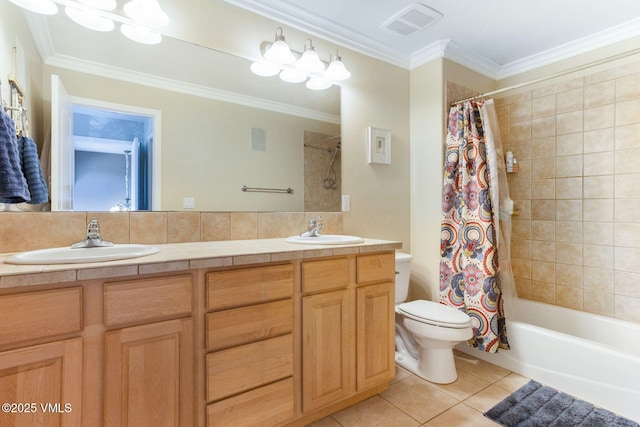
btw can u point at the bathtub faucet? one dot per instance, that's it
(93, 238)
(314, 227)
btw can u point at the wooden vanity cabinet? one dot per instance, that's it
(41, 383)
(149, 360)
(347, 327)
(250, 346)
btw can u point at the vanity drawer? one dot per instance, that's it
(243, 368)
(41, 314)
(376, 268)
(325, 275)
(147, 300)
(271, 405)
(238, 326)
(234, 288)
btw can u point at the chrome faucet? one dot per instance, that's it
(93, 239)
(314, 227)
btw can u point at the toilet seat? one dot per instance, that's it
(435, 314)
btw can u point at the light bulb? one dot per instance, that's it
(316, 83)
(146, 13)
(337, 70)
(264, 68)
(45, 7)
(100, 4)
(89, 18)
(279, 52)
(291, 75)
(140, 35)
(310, 62)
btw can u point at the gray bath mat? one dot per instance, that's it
(535, 405)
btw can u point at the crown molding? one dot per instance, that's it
(40, 31)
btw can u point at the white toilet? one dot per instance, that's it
(426, 331)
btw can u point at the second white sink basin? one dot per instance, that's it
(68, 255)
(325, 239)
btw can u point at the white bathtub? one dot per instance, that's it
(592, 357)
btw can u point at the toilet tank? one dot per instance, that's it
(403, 268)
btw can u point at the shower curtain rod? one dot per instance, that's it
(550, 77)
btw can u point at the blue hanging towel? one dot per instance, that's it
(32, 170)
(13, 185)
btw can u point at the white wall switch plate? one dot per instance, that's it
(189, 203)
(346, 203)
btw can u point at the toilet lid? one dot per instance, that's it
(435, 314)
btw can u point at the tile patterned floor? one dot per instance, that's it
(411, 401)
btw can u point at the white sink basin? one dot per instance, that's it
(68, 255)
(325, 239)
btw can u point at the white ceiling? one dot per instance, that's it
(496, 37)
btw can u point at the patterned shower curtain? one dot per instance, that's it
(469, 273)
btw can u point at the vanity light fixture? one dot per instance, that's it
(296, 67)
(139, 18)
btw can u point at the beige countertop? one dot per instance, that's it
(183, 256)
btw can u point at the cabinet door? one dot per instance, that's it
(149, 375)
(42, 384)
(375, 334)
(325, 349)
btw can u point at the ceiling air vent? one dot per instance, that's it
(411, 19)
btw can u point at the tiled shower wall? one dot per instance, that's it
(576, 232)
(316, 165)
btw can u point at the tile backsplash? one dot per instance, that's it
(25, 231)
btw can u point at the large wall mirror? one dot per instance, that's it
(215, 128)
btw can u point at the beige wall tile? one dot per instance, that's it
(597, 233)
(521, 149)
(626, 260)
(543, 251)
(599, 303)
(596, 141)
(569, 123)
(625, 210)
(520, 229)
(520, 131)
(598, 209)
(627, 284)
(543, 148)
(543, 189)
(523, 288)
(627, 161)
(36, 230)
(599, 163)
(600, 93)
(627, 112)
(543, 271)
(521, 268)
(543, 168)
(244, 225)
(599, 117)
(597, 256)
(598, 279)
(543, 209)
(543, 292)
(520, 187)
(216, 226)
(543, 230)
(544, 106)
(114, 226)
(627, 136)
(270, 225)
(627, 308)
(569, 297)
(627, 235)
(569, 253)
(626, 186)
(569, 231)
(520, 111)
(543, 127)
(627, 87)
(570, 100)
(568, 210)
(524, 209)
(598, 187)
(568, 166)
(569, 188)
(569, 144)
(148, 227)
(569, 275)
(520, 248)
(183, 227)
(294, 223)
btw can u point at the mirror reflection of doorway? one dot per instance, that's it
(104, 156)
(112, 160)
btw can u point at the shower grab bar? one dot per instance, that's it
(267, 190)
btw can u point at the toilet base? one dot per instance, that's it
(434, 365)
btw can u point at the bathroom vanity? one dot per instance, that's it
(234, 333)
